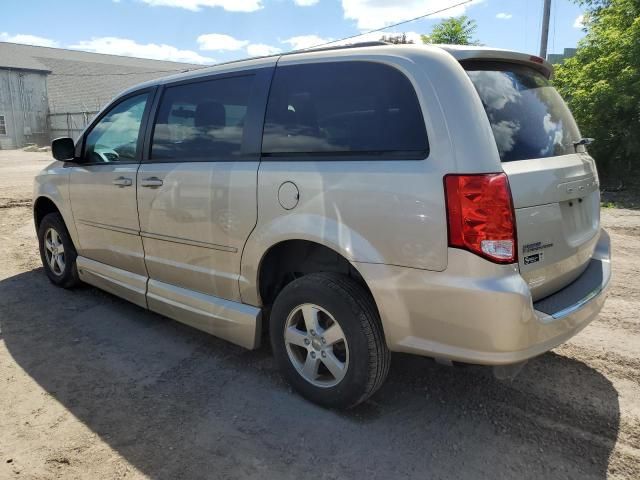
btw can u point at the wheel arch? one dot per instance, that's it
(287, 260)
(322, 231)
(43, 206)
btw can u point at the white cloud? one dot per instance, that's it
(220, 42)
(305, 3)
(196, 5)
(504, 16)
(129, 48)
(378, 13)
(28, 40)
(579, 22)
(261, 50)
(305, 41)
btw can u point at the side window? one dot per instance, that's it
(203, 120)
(344, 108)
(115, 137)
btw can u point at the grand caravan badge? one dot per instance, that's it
(535, 250)
(536, 247)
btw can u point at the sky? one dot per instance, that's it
(212, 31)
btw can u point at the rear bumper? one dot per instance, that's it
(584, 294)
(479, 312)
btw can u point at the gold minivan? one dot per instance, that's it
(351, 201)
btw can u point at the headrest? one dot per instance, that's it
(211, 115)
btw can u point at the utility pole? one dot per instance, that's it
(544, 37)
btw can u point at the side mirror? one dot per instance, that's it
(63, 149)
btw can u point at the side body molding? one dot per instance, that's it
(124, 284)
(232, 321)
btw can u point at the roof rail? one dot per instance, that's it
(307, 50)
(374, 43)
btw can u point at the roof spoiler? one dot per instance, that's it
(478, 53)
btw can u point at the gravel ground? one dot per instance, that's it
(93, 387)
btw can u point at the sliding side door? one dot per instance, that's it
(197, 199)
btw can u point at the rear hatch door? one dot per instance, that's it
(553, 182)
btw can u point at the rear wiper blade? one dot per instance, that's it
(584, 141)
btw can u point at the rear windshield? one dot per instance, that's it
(528, 117)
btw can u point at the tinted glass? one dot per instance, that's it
(528, 117)
(344, 108)
(203, 120)
(115, 137)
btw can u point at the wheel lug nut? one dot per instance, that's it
(313, 332)
(313, 354)
(306, 341)
(323, 340)
(324, 354)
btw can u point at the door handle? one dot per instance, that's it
(123, 182)
(151, 182)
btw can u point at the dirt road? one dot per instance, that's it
(93, 387)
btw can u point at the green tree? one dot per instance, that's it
(397, 39)
(453, 31)
(601, 83)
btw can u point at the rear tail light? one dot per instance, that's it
(480, 215)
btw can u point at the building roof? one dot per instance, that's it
(11, 59)
(561, 57)
(82, 81)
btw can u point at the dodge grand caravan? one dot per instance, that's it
(352, 202)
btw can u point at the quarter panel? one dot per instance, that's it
(368, 211)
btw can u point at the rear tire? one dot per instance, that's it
(328, 341)
(57, 252)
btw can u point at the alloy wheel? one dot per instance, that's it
(54, 251)
(316, 345)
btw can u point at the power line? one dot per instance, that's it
(390, 26)
(419, 17)
(368, 32)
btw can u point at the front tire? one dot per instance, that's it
(57, 251)
(328, 341)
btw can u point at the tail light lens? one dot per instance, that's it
(480, 215)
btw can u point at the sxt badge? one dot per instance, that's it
(529, 259)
